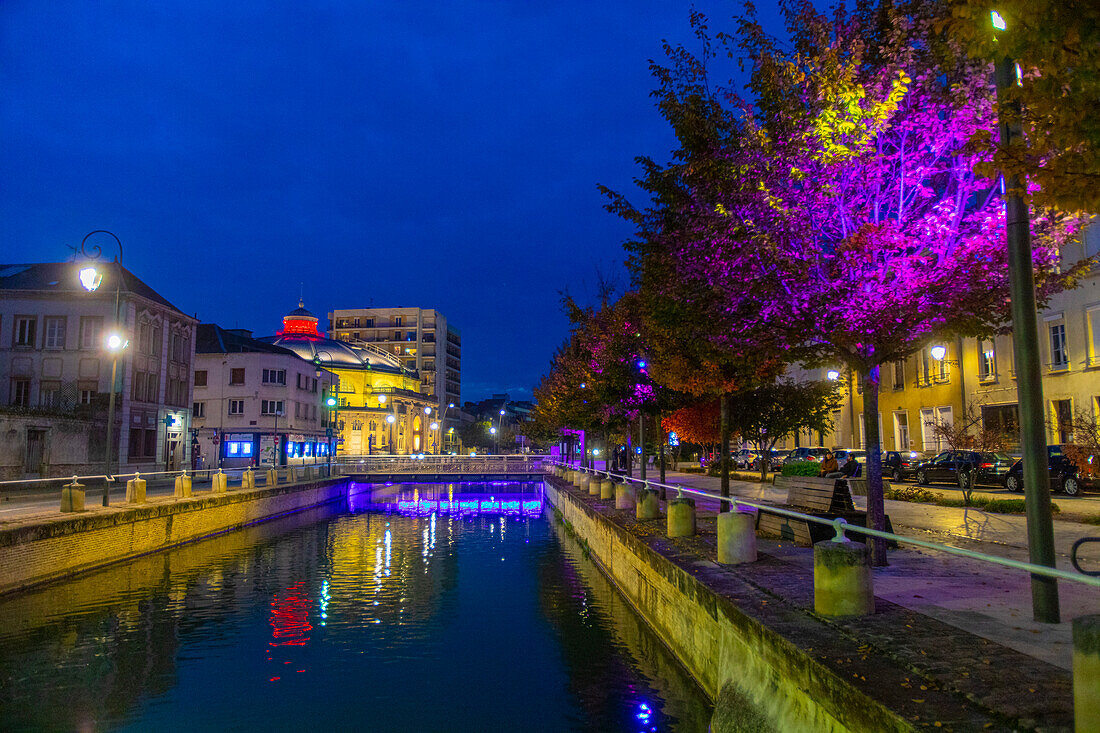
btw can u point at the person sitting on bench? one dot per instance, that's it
(851, 468)
(829, 467)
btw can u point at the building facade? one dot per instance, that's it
(256, 403)
(975, 379)
(57, 370)
(382, 405)
(421, 339)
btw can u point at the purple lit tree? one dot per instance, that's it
(838, 215)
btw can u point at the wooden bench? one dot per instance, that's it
(858, 486)
(819, 497)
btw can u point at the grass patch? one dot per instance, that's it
(996, 506)
(1089, 519)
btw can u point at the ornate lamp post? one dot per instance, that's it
(90, 277)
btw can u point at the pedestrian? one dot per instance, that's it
(829, 467)
(851, 467)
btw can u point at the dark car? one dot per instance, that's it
(958, 466)
(900, 465)
(1062, 472)
(807, 454)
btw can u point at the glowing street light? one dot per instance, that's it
(998, 20)
(939, 352)
(832, 375)
(90, 278)
(381, 399)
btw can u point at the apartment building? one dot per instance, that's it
(951, 377)
(56, 368)
(421, 339)
(257, 403)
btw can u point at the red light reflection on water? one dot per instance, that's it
(290, 617)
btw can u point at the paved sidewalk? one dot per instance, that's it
(986, 600)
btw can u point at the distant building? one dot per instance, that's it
(382, 405)
(255, 402)
(421, 339)
(55, 373)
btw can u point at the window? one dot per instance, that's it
(987, 361)
(1059, 358)
(236, 376)
(901, 431)
(271, 407)
(899, 374)
(313, 385)
(368, 323)
(87, 394)
(200, 378)
(198, 410)
(410, 336)
(396, 335)
(1063, 420)
(1092, 316)
(49, 394)
(273, 376)
(21, 392)
(24, 334)
(55, 333)
(397, 322)
(90, 328)
(355, 322)
(236, 407)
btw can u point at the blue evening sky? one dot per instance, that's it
(434, 154)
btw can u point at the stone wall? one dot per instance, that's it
(718, 643)
(72, 543)
(70, 446)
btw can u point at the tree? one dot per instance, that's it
(970, 432)
(1057, 46)
(841, 213)
(767, 414)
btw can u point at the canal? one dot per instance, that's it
(413, 607)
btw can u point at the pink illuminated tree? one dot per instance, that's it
(839, 214)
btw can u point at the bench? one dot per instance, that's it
(819, 497)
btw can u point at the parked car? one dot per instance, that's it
(745, 458)
(900, 465)
(1063, 474)
(957, 466)
(842, 455)
(807, 454)
(778, 457)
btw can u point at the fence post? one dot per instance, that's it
(681, 517)
(736, 537)
(607, 488)
(1086, 673)
(648, 505)
(135, 489)
(625, 498)
(72, 497)
(272, 477)
(219, 482)
(842, 579)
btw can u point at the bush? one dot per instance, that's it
(910, 493)
(802, 468)
(691, 469)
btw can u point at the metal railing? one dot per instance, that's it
(430, 464)
(840, 527)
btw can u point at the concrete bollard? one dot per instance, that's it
(72, 497)
(648, 505)
(842, 579)
(594, 485)
(736, 538)
(582, 480)
(135, 490)
(681, 517)
(307, 473)
(1086, 673)
(272, 477)
(248, 479)
(219, 482)
(183, 486)
(607, 489)
(625, 498)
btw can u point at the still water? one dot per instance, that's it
(407, 611)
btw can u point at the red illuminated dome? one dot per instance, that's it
(300, 322)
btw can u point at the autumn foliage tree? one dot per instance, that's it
(840, 213)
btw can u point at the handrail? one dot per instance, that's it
(1073, 556)
(236, 472)
(840, 527)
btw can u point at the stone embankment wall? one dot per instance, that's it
(716, 642)
(37, 552)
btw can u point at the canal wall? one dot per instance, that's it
(720, 645)
(41, 550)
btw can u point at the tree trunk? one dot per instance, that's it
(661, 447)
(724, 450)
(641, 444)
(876, 510)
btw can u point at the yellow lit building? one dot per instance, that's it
(381, 409)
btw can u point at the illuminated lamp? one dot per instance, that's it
(832, 375)
(998, 20)
(90, 278)
(939, 352)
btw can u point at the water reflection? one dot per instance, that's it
(340, 617)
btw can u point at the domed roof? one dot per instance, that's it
(301, 336)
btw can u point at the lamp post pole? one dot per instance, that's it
(1025, 344)
(90, 278)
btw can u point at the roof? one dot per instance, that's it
(340, 354)
(211, 338)
(60, 277)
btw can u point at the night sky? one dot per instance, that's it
(402, 153)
